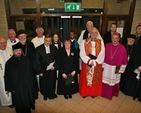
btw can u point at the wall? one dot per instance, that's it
(137, 16)
(17, 5)
(3, 20)
(118, 8)
(113, 8)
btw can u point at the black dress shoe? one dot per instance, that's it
(66, 96)
(55, 96)
(45, 98)
(83, 96)
(11, 106)
(70, 96)
(93, 96)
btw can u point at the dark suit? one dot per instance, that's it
(107, 37)
(48, 80)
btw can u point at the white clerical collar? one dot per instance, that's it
(72, 40)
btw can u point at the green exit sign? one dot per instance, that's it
(72, 7)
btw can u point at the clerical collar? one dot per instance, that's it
(13, 41)
(72, 40)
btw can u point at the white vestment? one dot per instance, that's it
(5, 99)
(85, 58)
(38, 41)
(80, 39)
(109, 76)
(10, 44)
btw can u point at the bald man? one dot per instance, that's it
(5, 54)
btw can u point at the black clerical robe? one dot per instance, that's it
(67, 64)
(48, 80)
(29, 51)
(131, 85)
(19, 80)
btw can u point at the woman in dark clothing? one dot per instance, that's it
(67, 60)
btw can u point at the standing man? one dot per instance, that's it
(19, 80)
(114, 64)
(92, 53)
(5, 54)
(132, 73)
(12, 40)
(86, 33)
(39, 39)
(46, 61)
(108, 35)
(129, 48)
(28, 50)
(73, 39)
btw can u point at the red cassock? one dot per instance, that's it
(95, 89)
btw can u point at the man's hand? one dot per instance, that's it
(64, 75)
(73, 73)
(139, 68)
(41, 74)
(52, 68)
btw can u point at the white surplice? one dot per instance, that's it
(85, 58)
(80, 39)
(109, 76)
(38, 41)
(10, 44)
(4, 56)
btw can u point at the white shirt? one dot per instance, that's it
(47, 49)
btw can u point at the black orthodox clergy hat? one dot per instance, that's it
(16, 46)
(21, 32)
(132, 36)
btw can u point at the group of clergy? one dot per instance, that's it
(106, 68)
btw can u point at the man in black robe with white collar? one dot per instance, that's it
(46, 64)
(19, 81)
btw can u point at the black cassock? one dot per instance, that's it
(129, 84)
(29, 51)
(48, 80)
(67, 64)
(19, 80)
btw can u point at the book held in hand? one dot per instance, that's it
(69, 79)
(50, 66)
